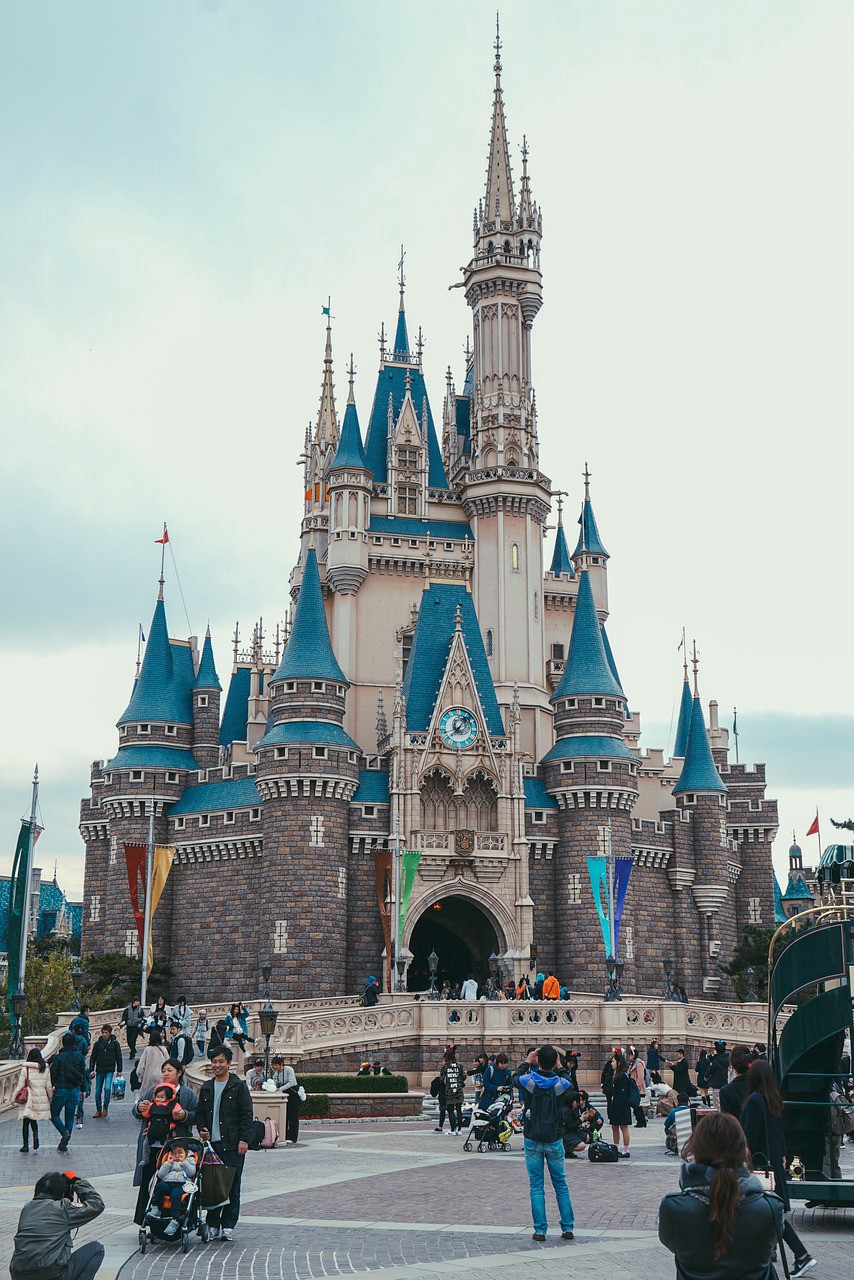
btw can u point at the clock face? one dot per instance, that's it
(458, 727)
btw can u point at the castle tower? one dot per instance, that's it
(593, 776)
(701, 799)
(350, 514)
(207, 691)
(320, 449)
(307, 772)
(505, 495)
(590, 553)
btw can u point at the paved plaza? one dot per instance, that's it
(358, 1198)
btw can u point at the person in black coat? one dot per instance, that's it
(763, 1130)
(682, 1075)
(654, 1062)
(704, 1060)
(224, 1118)
(620, 1103)
(104, 1061)
(734, 1094)
(68, 1077)
(718, 1072)
(721, 1225)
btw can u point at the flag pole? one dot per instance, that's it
(28, 882)
(146, 928)
(818, 832)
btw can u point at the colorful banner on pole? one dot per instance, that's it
(164, 855)
(17, 912)
(411, 859)
(382, 868)
(135, 863)
(597, 870)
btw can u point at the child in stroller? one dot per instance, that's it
(490, 1125)
(173, 1202)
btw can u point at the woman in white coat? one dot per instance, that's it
(35, 1078)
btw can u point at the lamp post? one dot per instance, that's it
(76, 980)
(669, 990)
(400, 965)
(17, 1048)
(433, 962)
(532, 963)
(615, 977)
(750, 975)
(267, 1016)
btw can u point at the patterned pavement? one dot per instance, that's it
(392, 1199)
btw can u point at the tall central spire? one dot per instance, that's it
(326, 431)
(500, 205)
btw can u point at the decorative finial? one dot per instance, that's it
(524, 155)
(327, 311)
(468, 559)
(419, 346)
(382, 721)
(428, 560)
(467, 350)
(497, 44)
(684, 647)
(161, 542)
(695, 662)
(401, 278)
(381, 340)
(408, 380)
(278, 644)
(236, 640)
(560, 494)
(586, 475)
(458, 619)
(351, 374)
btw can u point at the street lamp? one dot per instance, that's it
(669, 990)
(433, 962)
(493, 967)
(400, 965)
(750, 975)
(17, 1048)
(267, 1016)
(76, 979)
(615, 977)
(532, 964)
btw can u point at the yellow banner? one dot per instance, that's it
(163, 857)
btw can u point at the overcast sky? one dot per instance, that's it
(183, 184)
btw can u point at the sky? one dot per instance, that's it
(182, 185)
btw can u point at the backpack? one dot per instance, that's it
(543, 1116)
(257, 1133)
(603, 1153)
(634, 1093)
(437, 1087)
(188, 1052)
(271, 1134)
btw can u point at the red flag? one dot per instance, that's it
(813, 831)
(161, 542)
(135, 858)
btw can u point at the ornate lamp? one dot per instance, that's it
(76, 980)
(750, 975)
(267, 1016)
(17, 1048)
(493, 966)
(433, 962)
(615, 977)
(400, 965)
(532, 964)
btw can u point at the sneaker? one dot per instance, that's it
(35, 1144)
(438, 1130)
(63, 1142)
(213, 1233)
(625, 1155)
(79, 1124)
(24, 1150)
(804, 1265)
(172, 1227)
(227, 1233)
(567, 1235)
(539, 1235)
(154, 1212)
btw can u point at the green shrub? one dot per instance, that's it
(354, 1084)
(316, 1106)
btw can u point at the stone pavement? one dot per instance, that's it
(395, 1200)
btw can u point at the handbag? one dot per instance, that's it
(766, 1175)
(780, 1250)
(23, 1094)
(217, 1179)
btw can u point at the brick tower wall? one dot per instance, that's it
(206, 727)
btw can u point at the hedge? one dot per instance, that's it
(315, 1105)
(353, 1084)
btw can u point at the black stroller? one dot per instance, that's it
(489, 1126)
(190, 1219)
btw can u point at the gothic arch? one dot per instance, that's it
(498, 915)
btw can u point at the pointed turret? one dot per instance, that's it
(207, 677)
(206, 704)
(683, 726)
(309, 654)
(401, 337)
(349, 507)
(526, 204)
(698, 772)
(500, 205)
(587, 672)
(161, 692)
(319, 452)
(326, 429)
(589, 541)
(350, 452)
(561, 563)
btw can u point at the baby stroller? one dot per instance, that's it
(489, 1125)
(190, 1219)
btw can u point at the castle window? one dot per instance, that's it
(595, 559)
(320, 753)
(754, 912)
(395, 542)
(290, 686)
(316, 831)
(254, 815)
(756, 804)
(95, 907)
(171, 777)
(170, 731)
(514, 556)
(538, 815)
(369, 810)
(179, 824)
(280, 937)
(202, 700)
(489, 643)
(627, 933)
(131, 943)
(573, 894)
(137, 775)
(281, 753)
(229, 818)
(536, 604)
(204, 819)
(351, 756)
(691, 799)
(604, 766)
(123, 732)
(557, 653)
(570, 704)
(598, 702)
(407, 459)
(318, 686)
(143, 728)
(449, 546)
(342, 882)
(567, 766)
(407, 500)
(413, 542)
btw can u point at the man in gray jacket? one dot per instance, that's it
(43, 1240)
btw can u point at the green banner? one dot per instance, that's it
(410, 866)
(18, 912)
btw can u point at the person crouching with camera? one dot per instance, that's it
(61, 1203)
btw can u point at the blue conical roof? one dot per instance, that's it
(588, 534)
(683, 727)
(561, 562)
(401, 337)
(350, 451)
(609, 654)
(780, 916)
(207, 677)
(699, 772)
(587, 672)
(309, 654)
(163, 691)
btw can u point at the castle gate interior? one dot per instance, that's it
(462, 936)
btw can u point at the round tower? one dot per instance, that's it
(350, 506)
(307, 772)
(207, 692)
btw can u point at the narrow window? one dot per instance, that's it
(489, 643)
(514, 556)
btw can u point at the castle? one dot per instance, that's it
(444, 680)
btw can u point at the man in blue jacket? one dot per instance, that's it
(68, 1077)
(543, 1093)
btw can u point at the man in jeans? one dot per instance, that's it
(61, 1203)
(104, 1061)
(224, 1118)
(68, 1077)
(543, 1096)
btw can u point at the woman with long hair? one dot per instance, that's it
(620, 1103)
(35, 1078)
(763, 1129)
(721, 1224)
(240, 1030)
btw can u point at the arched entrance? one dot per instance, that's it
(461, 934)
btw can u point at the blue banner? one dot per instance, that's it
(597, 870)
(622, 871)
